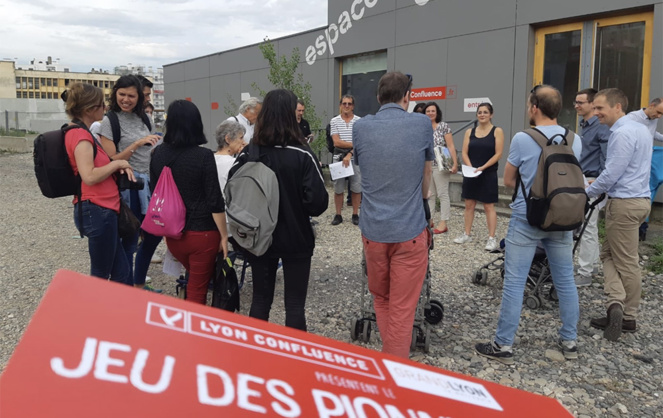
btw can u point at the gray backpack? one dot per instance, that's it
(557, 200)
(252, 204)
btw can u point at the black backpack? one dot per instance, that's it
(54, 174)
(330, 141)
(115, 126)
(225, 293)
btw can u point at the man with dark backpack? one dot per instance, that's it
(524, 163)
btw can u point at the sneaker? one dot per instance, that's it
(148, 279)
(492, 350)
(582, 280)
(463, 239)
(355, 219)
(613, 329)
(568, 348)
(337, 219)
(491, 244)
(151, 289)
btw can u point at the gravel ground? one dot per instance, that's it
(608, 379)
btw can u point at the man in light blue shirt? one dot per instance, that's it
(649, 117)
(543, 107)
(395, 151)
(626, 182)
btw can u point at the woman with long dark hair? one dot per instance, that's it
(134, 142)
(302, 194)
(194, 171)
(100, 200)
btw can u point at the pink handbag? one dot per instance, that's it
(166, 213)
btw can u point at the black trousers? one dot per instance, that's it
(296, 273)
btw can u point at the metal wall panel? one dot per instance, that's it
(237, 61)
(538, 11)
(196, 69)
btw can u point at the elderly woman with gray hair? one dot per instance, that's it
(230, 141)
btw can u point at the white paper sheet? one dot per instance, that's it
(469, 171)
(337, 170)
(171, 266)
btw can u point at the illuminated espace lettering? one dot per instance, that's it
(344, 23)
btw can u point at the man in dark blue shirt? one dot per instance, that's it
(594, 137)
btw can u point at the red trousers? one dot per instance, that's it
(197, 251)
(396, 273)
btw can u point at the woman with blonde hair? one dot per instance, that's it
(100, 199)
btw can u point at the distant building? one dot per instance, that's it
(47, 80)
(156, 76)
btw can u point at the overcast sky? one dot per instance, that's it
(93, 33)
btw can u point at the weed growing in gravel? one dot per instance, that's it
(656, 260)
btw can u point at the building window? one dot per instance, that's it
(359, 77)
(36, 83)
(49, 95)
(25, 94)
(66, 82)
(106, 84)
(43, 95)
(30, 83)
(31, 95)
(18, 82)
(49, 82)
(18, 94)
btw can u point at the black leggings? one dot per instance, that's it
(295, 280)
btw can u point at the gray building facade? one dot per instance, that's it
(458, 52)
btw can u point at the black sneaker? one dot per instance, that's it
(337, 219)
(492, 350)
(568, 348)
(613, 329)
(355, 219)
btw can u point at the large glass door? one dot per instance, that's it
(601, 53)
(623, 56)
(558, 53)
(359, 77)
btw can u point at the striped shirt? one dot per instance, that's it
(342, 129)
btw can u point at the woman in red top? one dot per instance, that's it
(100, 198)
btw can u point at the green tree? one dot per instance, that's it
(284, 74)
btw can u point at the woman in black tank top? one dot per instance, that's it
(482, 149)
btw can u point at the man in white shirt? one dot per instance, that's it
(248, 114)
(649, 117)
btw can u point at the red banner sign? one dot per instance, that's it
(96, 348)
(428, 94)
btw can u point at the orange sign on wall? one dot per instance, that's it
(101, 349)
(427, 94)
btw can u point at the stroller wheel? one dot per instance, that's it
(355, 329)
(427, 340)
(435, 313)
(533, 302)
(366, 331)
(415, 338)
(479, 277)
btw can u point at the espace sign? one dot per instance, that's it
(333, 31)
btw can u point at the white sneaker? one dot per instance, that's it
(463, 239)
(491, 244)
(148, 279)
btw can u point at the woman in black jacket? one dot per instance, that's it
(302, 194)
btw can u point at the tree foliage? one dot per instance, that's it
(284, 73)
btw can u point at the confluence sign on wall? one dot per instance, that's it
(428, 94)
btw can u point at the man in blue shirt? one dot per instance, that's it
(395, 151)
(649, 117)
(594, 137)
(626, 181)
(543, 107)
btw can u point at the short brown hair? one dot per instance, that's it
(392, 87)
(590, 92)
(614, 96)
(547, 99)
(81, 97)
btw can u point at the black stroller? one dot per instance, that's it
(539, 279)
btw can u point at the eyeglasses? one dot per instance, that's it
(535, 100)
(579, 103)
(347, 104)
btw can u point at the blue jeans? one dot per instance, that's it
(521, 241)
(147, 247)
(107, 260)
